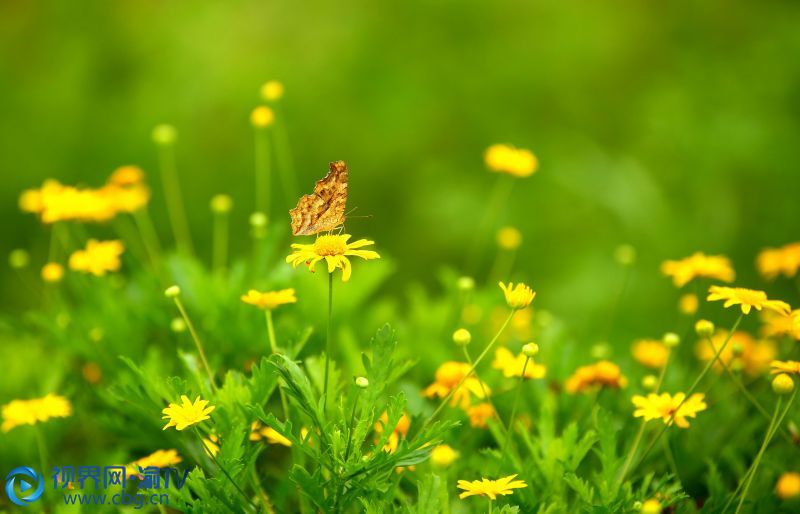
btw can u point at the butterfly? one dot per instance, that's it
(322, 210)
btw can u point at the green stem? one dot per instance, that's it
(670, 458)
(328, 343)
(503, 187)
(220, 245)
(172, 191)
(514, 408)
(274, 348)
(42, 447)
(224, 471)
(350, 426)
(472, 368)
(196, 340)
(263, 172)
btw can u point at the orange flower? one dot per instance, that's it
(600, 374)
(448, 377)
(742, 351)
(699, 265)
(481, 413)
(650, 352)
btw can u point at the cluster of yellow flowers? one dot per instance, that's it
(125, 191)
(98, 258)
(785, 261)
(742, 352)
(30, 412)
(507, 159)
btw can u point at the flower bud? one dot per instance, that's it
(651, 506)
(650, 382)
(462, 337)
(362, 382)
(671, 339)
(172, 292)
(530, 350)
(783, 384)
(164, 135)
(221, 204)
(272, 91)
(737, 348)
(601, 350)
(704, 328)
(262, 116)
(177, 325)
(52, 272)
(625, 255)
(465, 284)
(443, 455)
(19, 258)
(509, 238)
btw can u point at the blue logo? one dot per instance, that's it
(28, 479)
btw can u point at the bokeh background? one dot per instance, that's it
(669, 126)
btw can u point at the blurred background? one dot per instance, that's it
(672, 127)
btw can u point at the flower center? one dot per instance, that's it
(330, 245)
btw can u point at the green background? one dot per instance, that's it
(673, 126)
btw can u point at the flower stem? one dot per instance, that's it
(147, 232)
(42, 447)
(503, 187)
(350, 426)
(328, 343)
(514, 405)
(196, 340)
(472, 368)
(274, 348)
(220, 245)
(263, 172)
(224, 471)
(692, 388)
(172, 191)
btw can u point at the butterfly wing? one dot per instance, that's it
(324, 209)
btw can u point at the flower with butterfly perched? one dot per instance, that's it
(335, 250)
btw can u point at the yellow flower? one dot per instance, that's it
(98, 258)
(262, 116)
(772, 262)
(212, 444)
(272, 90)
(650, 353)
(788, 485)
(699, 265)
(448, 375)
(790, 367)
(511, 365)
(30, 412)
(665, 407)
(481, 413)
(600, 374)
(126, 176)
(335, 250)
(399, 431)
(490, 488)
(507, 159)
(187, 413)
(688, 304)
(509, 238)
(270, 299)
(776, 325)
(747, 298)
(519, 296)
(269, 434)
(52, 272)
(651, 506)
(159, 459)
(443, 455)
(741, 352)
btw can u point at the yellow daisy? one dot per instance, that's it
(98, 258)
(187, 413)
(747, 299)
(30, 412)
(600, 374)
(490, 488)
(519, 296)
(269, 434)
(742, 352)
(448, 376)
(270, 299)
(699, 265)
(159, 459)
(776, 325)
(666, 407)
(334, 249)
(480, 414)
(790, 367)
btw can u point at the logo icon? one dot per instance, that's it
(29, 480)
